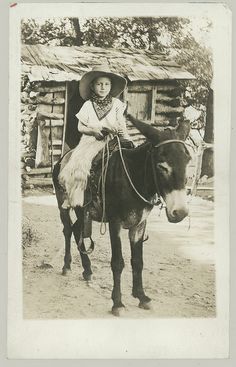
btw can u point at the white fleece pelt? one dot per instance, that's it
(73, 176)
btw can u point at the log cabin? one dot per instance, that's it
(50, 97)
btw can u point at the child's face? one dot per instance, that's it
(102, 86)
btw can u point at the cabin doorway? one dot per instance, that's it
(74, 104)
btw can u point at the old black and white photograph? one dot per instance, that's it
(118, 166)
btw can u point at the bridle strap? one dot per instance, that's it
(154, 175)
(169, 142)
(165, 142)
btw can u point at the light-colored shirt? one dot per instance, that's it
(89, 121)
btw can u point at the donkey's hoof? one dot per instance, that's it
(87, 276)
(65, 270)
(145, 305)
(118, 311)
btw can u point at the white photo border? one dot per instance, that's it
(154, 338)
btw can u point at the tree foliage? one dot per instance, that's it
(51, 32)
(197, 59)
(136, 32)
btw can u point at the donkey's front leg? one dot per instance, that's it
(136, 235)
(117, 265)
(67, 230)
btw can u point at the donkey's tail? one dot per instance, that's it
(55, 174)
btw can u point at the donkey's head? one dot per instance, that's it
(169, 157)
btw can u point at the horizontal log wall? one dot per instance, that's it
(167, 106)
(48, 99)
(42, 108)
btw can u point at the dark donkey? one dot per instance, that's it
(156, 167)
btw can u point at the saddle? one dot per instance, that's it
(96, 168)
(92, 195)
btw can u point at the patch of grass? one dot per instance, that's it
(29, 234)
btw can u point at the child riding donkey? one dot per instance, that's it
(100, 119)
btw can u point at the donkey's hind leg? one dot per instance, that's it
(78, 235)
(67, 231)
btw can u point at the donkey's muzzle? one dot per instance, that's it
(177, 215)
(176, 206)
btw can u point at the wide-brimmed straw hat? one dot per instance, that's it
(118, 83)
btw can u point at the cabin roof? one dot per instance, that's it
(57, 63)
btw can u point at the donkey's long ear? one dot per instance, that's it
(183, 129)
(148, 131)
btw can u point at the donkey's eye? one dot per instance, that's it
(164, 167)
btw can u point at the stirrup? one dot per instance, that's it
(90, 249)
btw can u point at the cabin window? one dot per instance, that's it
(141, 99)
(140, 104)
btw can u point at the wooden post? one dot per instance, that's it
(42, 154)
(208, 155)
(65, 119)
(125, 95)
(197, 169)
(201, 148)
(58, 132)
(153, 107)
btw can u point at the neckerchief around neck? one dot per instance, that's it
(101, 106)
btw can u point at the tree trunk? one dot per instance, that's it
(208, 155)
(78, 33)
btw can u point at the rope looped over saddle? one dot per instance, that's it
(93, 190)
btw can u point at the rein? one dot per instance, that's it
(103, 226)
(129, 178)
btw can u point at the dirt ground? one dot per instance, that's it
(179, 271)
